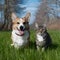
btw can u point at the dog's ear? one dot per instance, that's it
(13, 17)
(26, 18)
(36, 25)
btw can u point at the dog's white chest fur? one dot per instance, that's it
(19, 41)
(39, 38)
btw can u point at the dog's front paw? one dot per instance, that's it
(43, 49)
(38, 48)
(12, 44)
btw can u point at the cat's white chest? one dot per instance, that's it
(39, 38)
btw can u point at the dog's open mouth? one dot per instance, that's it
(21, 33)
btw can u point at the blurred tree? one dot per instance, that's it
(1, 7)
(8, 9)
(42, 14)
(7, 15)
(48, 13)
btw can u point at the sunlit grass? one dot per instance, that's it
(10, 53)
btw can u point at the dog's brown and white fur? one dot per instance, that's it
(20, 31)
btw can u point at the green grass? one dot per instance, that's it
(10, 53)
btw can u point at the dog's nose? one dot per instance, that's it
(21, 28)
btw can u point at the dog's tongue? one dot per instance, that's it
(21, 33)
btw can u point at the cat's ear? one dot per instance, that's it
(36, 25)
(44, 27)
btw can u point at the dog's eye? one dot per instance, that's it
(27, 22)
(24, 22)
(18, 23)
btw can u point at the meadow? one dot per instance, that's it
(10, 53)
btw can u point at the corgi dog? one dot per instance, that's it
(43, 39)
(20, 31)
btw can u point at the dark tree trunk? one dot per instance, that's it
(7, 16)
(9, 7)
